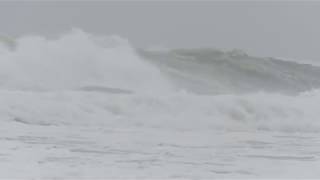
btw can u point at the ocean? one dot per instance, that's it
(90, 106)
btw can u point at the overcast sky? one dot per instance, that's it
(280, 29)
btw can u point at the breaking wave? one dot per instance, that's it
(211, 71)
(85, 79)
(267, 112)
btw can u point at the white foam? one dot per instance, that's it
(270, 112)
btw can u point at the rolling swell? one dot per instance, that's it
(211, 71)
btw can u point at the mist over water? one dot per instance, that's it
(159, 90)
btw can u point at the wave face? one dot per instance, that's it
(80, 77)
(210, 71)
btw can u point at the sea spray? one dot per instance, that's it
(77, 60)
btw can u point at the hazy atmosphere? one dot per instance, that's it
(159, 90)
(275, 29)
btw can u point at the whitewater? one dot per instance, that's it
(92, 106)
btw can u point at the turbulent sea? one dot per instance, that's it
(87, 106)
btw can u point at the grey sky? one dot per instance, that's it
(281, 29)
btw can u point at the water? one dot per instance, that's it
(86, 106)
